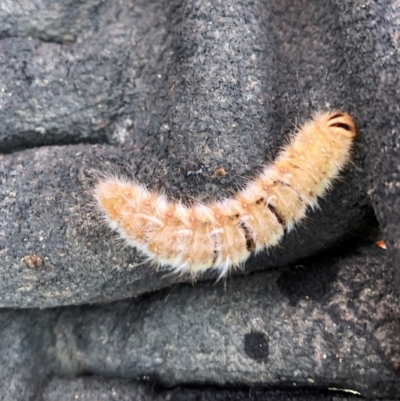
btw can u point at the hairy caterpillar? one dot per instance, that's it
(222, 234)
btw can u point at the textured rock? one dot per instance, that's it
(45, 215)
(110, 390)
(81, 71)
(47, 20)
(255, 394)
(156, 89)
(177, 87)
(331, 323)
(372, 36)
(26, 353)
(101, 390)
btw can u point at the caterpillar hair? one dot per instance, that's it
(222, 234)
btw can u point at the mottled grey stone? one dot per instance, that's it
(45, 214)
(193, 98)
(156, 89)
(257, 394)
(76, 71)
(372, 31)
(329, 324)
(26, 353)
(48, 20)
(100, 389)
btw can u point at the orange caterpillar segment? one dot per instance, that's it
(231, 242)
(223, 234)
(184, 240)
(314, 158)
(259, 218)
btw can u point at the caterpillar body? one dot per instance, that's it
(222, 234)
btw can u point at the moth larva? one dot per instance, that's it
(222, 234)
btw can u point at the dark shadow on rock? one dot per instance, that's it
(256, 346)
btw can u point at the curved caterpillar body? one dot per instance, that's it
(222, 234)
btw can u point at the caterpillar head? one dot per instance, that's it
(342, 124)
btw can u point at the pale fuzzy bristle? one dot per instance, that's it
(222, 235)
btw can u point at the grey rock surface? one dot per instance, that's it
(331, 323)
(255, 394)
(47, 20)
(372, 39)
(122, 390)
(26, 353)
(175, 86)
(100, 389)
(46, 218)
(156, 89)
(80, 71)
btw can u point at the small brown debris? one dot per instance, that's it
(32, 261)
(219, 172)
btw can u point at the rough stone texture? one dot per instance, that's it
(26, 353)
(331, 323)
(45, 216)
(110, 390)
(176, 85)
(254, 394)
(100, 81)
(156, 89)
(372, 31)
(101, 390)
(47, 20)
